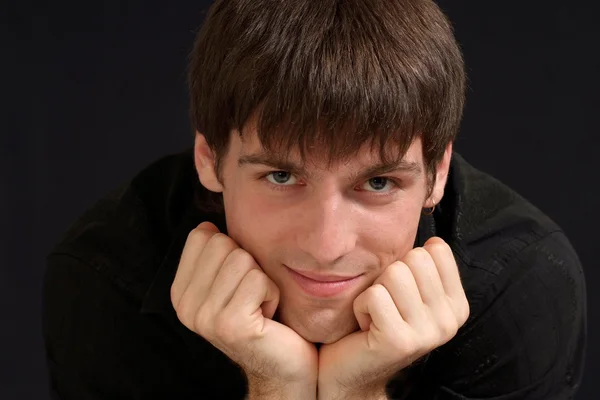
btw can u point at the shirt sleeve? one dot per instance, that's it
(100, 346)
(528, 342)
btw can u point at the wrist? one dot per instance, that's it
(367, 395)
(370, 392)
(261, 389)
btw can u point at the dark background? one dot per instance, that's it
(94, 91)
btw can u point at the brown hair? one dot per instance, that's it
(331, 75)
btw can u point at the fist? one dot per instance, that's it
(415, 306)
(221, 293)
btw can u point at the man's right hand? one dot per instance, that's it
(222, 294)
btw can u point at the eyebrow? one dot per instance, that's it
(272, 161)
(411, 167)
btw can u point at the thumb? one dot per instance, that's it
(209, 226)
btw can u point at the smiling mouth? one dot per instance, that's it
(323, 285)
(324, 278)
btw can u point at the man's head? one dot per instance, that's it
(357, 104)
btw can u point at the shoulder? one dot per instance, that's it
(124, 235)
(525, 285)
(499, 236)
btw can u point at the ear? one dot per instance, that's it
(205, 164)
(440, 179)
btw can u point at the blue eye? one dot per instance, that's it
(377, 184)
(281, 178)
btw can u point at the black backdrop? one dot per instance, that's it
(94, 91)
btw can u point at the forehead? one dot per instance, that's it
(248, 146)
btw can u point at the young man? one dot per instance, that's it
(321, 240)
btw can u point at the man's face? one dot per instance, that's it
(348, 221)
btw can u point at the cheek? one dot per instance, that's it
(257, 226)
(391, 235)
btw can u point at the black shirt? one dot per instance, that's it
(111, 331)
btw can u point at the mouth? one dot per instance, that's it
(317, 285)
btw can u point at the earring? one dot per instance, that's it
(431, 210)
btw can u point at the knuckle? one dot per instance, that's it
(256, 277)
(444, 321)
(417, 256)
(202, 322)
(395, 271)
(198, 235)
(428, 340)
(403, 346)
(221, 241)
(376, 292)
(447, 329)
(240, 257)
(184, 312)
(174, 296)
(260, 281)
(438, 247)
(225, 329)
(464, 311)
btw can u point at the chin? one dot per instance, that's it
(322, 326)
(325, 338)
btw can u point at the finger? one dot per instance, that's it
(426, 275)
(235, 267)
(209, 226)
(364, 320)
(255, 291)
(400, 283)
(206, 268)
(443, 258)
(194, 245)
(447, 267)
(360, 313)
(377, 304)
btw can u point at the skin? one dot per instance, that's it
(337, 221)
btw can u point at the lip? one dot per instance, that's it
(323, 285)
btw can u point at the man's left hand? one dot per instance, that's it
(415, 306)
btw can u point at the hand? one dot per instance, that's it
(415, 306)
(222, 294)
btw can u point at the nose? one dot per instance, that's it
(327, 232)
